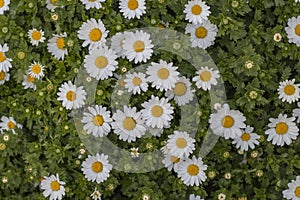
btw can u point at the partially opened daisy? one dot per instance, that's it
(246, 140)
(117, 42)
(202, 34)
(4, 61)
(293, 191)
(57, 46)
(227, 123)
(194, 197)
(289, 91)
(53, 187)
(9, 124)
(4, 5)
(296, 113)
(36, 36)
(132, 8)
(282, 130)
(138, 46)
(134, 152)
(191, 171)
(93, 33)
(101, 63)
(28, 82)
(181, 144)
(36, 70)
(92, 4)
(136, 82)
(196, 11)
(128, 124)
(162, 75)
(72, 97)
(171, 162)
(96, 168)
(4, 76)
(206, 77)
(157, 112)
(293, 30)
(181, 92)
(97, 121)
(51, 4)
(96, 195)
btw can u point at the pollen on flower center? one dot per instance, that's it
(281, 128)
(98, 120)
(1, 3)
(30, 78)
(175, 159)
(71, 95)
(289, 90)
(133, 4)
(2, 56)
(196, 9)
(193, 170)
(55, 186)
(227, 121)
(36, 69)
(2, 76)
(297, 30)
(201, 32)
(179, 89)
(11, 125)
(36, 35)
(245, 137)
(297, 191)
(136, 81)
(181, 143)
(163, 73)
(121, 82)
(205, 76)
(60, 43)
(139, 46)
(97, 167)
(129, 123)
(157, 111)
(101, 62)
(95, 34)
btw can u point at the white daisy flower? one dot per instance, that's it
(162, 75)
(96, 195)
(4, 61)
(53, 187)
(138, 46)
(92, 4)
(36, 36)
(28, 82)
(4, 76)
(117, 42)
(293, 30)
(181, 92)
(50, 5)
(128, 125)
(227, 123)
(246, 140)
(36, 70)
(171, 162)
(191, 171)
(9, 124)
(132, 8)
(206, 77)
(180, 144)
(196, 11)
(296, 112)
(288, 91)
(136, 82)
(72, 97)
(203, 34)
(134, 152)
(101, 63)
(93, 33)
(282, 130)
(194, 197)
(57, 46)
(4, 5)
(97, 121)
(157, 113)
(96, 168)
(294, 190)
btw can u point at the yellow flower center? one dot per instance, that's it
(133, 4)
(201, 32)
(36, 69)
(205, 76)
(97, 167)
(98, 120)
(11, 125)
(157, 111)
(245, 137)
(175, 159)
(139, 46)
(95, 34)
(297, 191)
(289, 90)
(121, 82)
(227, 121)
(297, 30)
(196, 10)
(30, 78)
(163, 73)
(55, 186)
(92, 0)
(2, 76)
(36, 35)
(129, 123)
(181, 143)
(71, 95)
(53, 1)
(1, 3)
(281, 128)
(60, 43)
(2, 56)
(101, 62)
(136, 81)
(193, 170)
(179, 89)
